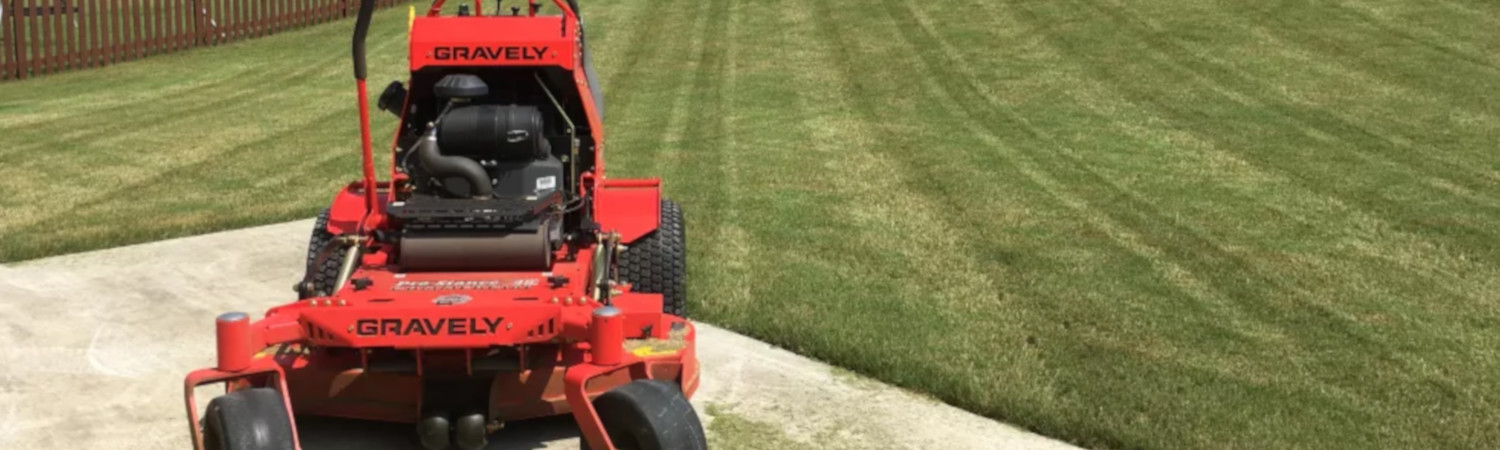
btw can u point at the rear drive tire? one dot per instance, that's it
(323, 276)
(657, 263)
(250, 419)
(649, 415)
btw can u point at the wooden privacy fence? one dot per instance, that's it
(48, 36)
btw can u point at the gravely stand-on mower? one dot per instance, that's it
(497, 276)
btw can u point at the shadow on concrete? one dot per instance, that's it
(320, 433)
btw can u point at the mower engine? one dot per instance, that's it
(487, 189)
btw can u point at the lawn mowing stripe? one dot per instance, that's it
(725, 243)
(799, 165)
(663, 68)
(618, 77)
(920, 157)
(216, 92)
(663, 136)
(179, 121)
(1142, 228)
(905, 232)
(1247, 198)
(1368, 17)
(1182, 278)
(705, 167)
(974, 225)
(1365, 142)
(1047, 175)
(1311, 182)
(1469, 235)
(1461, 86)
(681, 125)
(1491, 18)
(228, 194)
(188, 114)
(705, 114)
(247, 56)
(1438, 267)
(602, 18)
(78, 134)
(167, 153)
(612, 36)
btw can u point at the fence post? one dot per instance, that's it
(12, 25)
(200, 25)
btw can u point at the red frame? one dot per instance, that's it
(569, 356)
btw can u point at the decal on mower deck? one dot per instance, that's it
(465, 285)
(487, 53)
(452, 299)
(452, 326)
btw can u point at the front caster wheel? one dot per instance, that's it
(250, 419)
(649, 415)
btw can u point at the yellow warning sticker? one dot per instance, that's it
(648, 351)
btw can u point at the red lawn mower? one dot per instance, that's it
(497, 276)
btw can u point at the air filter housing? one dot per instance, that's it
(461, 86)
(493, 132)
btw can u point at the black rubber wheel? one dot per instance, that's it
(250, 419)
(324, 276)
(649, 415)
(657, 263)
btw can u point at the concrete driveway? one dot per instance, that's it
(96, 345)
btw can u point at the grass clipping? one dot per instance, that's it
(676, 341)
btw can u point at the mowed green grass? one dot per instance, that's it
(241, 134)
(1158, 223)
